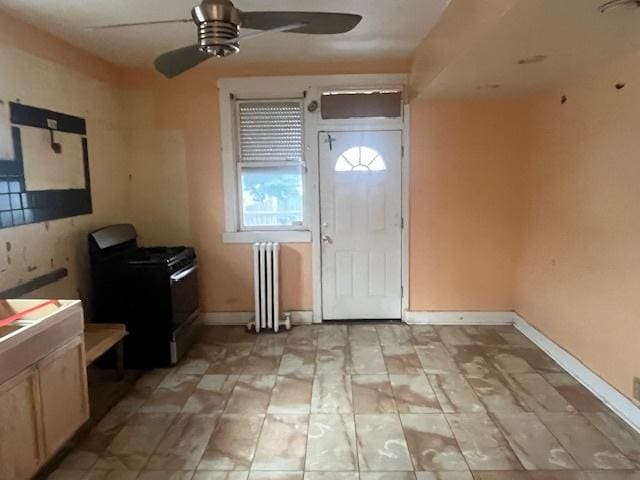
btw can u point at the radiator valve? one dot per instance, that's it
(287, 320)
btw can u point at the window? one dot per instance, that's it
(358, 104)
(270, 164)
(360, 159)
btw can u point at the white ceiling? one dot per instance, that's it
(573, 34)
(462, 47)
(389, 29)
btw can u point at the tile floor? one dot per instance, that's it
(367, 402)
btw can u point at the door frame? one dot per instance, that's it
(313, 164)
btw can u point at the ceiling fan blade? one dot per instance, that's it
(286, 28)
(320, 23)
(175, 62)
(141, 24)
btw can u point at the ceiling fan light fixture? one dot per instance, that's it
(218, 38)
(218, 27)
(218, 24)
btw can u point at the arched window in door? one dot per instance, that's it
(360, 159)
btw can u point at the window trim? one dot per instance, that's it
(308, 87)
(240, 229)
(253, 236)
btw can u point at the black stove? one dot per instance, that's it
(173, 259)
(153, 290)
(171, 256)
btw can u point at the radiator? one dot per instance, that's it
(266, 280)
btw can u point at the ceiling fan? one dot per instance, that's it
(219, 23)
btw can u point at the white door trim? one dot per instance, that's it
(406, 168)
(313, 164)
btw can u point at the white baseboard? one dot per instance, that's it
(226, 318)
(242, 318)
(459, 318)
(619, 403)
(302, 317)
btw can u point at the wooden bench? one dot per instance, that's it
(100, 337)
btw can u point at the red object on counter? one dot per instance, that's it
(19, 315)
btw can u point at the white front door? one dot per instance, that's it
(360, 224)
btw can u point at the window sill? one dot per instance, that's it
(281, 236)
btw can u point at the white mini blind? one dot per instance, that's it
(270, 131)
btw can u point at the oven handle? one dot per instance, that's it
(176, 277)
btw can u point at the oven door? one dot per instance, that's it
(184, 294)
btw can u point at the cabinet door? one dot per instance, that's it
(63, 390)
(21, 448)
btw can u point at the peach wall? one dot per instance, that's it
(579, 276)
(78, 84)
(187, 109)
(191, 107)
(466, 197)
(462, 199)
(27, 38)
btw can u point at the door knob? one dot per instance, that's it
(327, 239)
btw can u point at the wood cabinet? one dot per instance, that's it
(45, 403)
(21, 447)
(63, 391)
